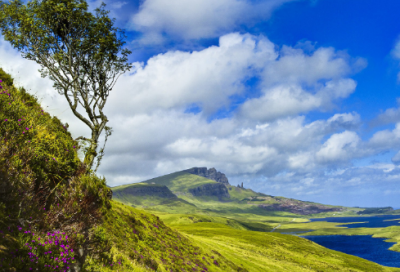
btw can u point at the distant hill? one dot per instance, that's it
(193, 192)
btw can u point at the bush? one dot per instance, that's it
(7, 79)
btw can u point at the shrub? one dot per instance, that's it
(7, 79)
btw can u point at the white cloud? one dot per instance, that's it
(208, 77)
(345, 120)
(288, 100)
(298, 83)
(296, 67)
(385, 139)
(340, 147)
(197, 18)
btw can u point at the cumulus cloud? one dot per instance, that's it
(385, 139)
(345, 121)
(339, 147)
(289, 100)
(298, 83)
(208, 77)
(196, 19)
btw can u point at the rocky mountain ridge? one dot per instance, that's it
(271, 203)
(211, 173)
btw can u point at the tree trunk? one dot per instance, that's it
(91, 154)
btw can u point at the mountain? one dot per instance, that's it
(211, 173)
(209, 190)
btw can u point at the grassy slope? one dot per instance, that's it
(180, 183)
(232, 249)
(242, 201)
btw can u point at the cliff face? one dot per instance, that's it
(158, 191)
(211, 173)
(214, 189)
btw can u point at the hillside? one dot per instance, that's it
(208, 196)
(54, 217)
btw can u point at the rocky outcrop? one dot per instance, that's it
(211, 173)
(271, 203)
(299, 209)
(211, 189)
(147, 190)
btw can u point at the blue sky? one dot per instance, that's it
(292, 98)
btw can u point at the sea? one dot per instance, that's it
(364, 246)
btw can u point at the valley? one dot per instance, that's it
(218, 218)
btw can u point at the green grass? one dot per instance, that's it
(180, 182)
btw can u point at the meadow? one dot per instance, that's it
(55, 217)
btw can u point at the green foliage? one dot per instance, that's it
(53, 155)
(7, 79)
(40, 175)
(179, 181)
(141, 239)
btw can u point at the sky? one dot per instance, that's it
(293, 98)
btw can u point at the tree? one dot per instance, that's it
(77, 50)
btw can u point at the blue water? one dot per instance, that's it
(364, 246)
(371, 221)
